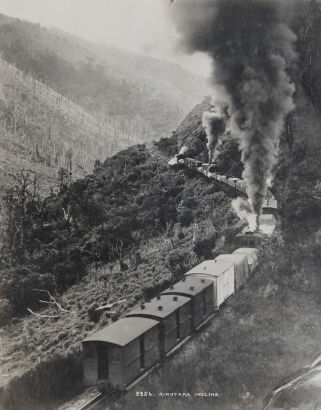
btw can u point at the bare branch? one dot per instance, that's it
(47, 301)
(110, 305)
(43, 316)
(53, 300)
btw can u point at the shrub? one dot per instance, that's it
(203, 247)
(5, 312)
(18, 286)
(185, 216)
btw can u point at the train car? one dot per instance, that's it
(177, 159)
(204, 168)
(221, 178)
(241, 267)
(192, 163)
(201, 292)
(233, 182)
(174, 313)
(248, 239)
(267, 224)
(270, 206)
(241, 185)
(252, 257)
(222, 275)
(121, 352)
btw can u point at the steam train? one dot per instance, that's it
(209, 170)
(124, 352)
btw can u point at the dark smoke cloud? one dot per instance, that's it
(250, 46)
(214, 123)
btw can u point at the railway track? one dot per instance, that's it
(96, 403)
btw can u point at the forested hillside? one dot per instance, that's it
(65, 102)
(126, 231)
(105, 81)
(41, 127)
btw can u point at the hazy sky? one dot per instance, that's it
(141, 26)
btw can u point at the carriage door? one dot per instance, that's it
(102, 353)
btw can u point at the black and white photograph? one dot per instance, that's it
(160, 204)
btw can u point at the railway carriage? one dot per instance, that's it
(174, 313)
(270, 206)
(204, 168)
(252, 256)
(201, 292)
(248, 239)
(121, 352)
(233, 182)
(241, 267)
(267, 224)
(222, 275)
(192, 163)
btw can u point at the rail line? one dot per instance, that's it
(94, 403)
(212, 176)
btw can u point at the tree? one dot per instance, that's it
(5, 311)
(21, 203)
(69, 155)
(62, 178)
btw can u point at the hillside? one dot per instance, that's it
(41, 128)
(68, 102)
(105, 81)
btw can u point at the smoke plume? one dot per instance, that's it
(214, 122)
(250, 46)
(183, 150)
(243, 210)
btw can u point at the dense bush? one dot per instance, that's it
(5, 312)
(203, 248)
(21, 287)
(131, 198)
(32, 391)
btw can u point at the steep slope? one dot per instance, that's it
(105, 81)
(41, 129)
